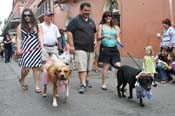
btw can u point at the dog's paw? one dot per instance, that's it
(155, 85)
(141, 104)
(44, 95)
(130, 97)
(123, 96)
(54, 103)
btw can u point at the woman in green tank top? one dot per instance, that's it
(108, 34)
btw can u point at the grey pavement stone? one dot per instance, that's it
(95, 102)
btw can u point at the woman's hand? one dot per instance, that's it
(18, 52)
(159, 36)
(107, 36)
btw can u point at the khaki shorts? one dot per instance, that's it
(49, 50)
(83, 60)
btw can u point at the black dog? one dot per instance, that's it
(127, 74)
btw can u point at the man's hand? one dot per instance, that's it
(60, 50)
(72, 49)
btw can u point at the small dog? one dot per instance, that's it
(127, 74)
(56, 71)
(95, 63)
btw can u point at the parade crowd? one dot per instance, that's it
(35, 43)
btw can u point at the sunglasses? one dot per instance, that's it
(27, 15)
(49, 15)
(108, 15)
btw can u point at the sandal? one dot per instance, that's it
(38, 90)
(24, 86)
(103, 87)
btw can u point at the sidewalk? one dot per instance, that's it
(95, 102)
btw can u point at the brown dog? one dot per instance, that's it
(57, 74)
(95, 63)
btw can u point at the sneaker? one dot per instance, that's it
(88, 84)
(82, 89)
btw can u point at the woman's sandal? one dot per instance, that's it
(24, 86)
(38, 90)
(103, 87)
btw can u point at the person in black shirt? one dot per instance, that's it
(80, 35)
(7, 47)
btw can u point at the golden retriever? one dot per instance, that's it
(56, 71)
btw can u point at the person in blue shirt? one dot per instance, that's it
(108, 34)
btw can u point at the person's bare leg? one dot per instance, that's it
(24, 73)
(104, 73)
(82, 77)
(36, 74)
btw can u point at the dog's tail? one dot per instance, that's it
(113, 65)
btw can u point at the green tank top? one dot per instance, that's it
(106, 41)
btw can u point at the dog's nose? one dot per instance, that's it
(62, 77)
(149, 88)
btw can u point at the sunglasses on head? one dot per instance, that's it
(27, 15)
(108, 15)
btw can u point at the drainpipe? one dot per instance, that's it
(171, 11)
(110, 8)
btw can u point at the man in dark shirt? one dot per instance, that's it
(7, 47)
(81, 38)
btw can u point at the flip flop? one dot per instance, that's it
(24, 86)
(104, 88)
(38, 91)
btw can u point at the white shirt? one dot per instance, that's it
(168, 37)
(50, 33)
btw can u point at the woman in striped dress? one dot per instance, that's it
(29, 45)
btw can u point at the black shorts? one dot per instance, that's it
(109, 54)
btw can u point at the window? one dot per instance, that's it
(113, 6)
(45, 6)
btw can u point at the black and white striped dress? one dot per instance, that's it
(31, 51)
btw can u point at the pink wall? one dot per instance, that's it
(73, 9)
(140, 21)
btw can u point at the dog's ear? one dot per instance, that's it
(57, 71)
(69, 72)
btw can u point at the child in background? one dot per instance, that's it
(171, 67)
(148, 63)
(161, 59)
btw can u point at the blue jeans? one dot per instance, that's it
(7, 54)
(163, 72)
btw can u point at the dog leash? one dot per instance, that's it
(122, 46)
(27, 51)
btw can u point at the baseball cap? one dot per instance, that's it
(48, 13)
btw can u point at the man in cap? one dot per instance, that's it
(51, 36)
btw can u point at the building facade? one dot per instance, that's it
(139, 20)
